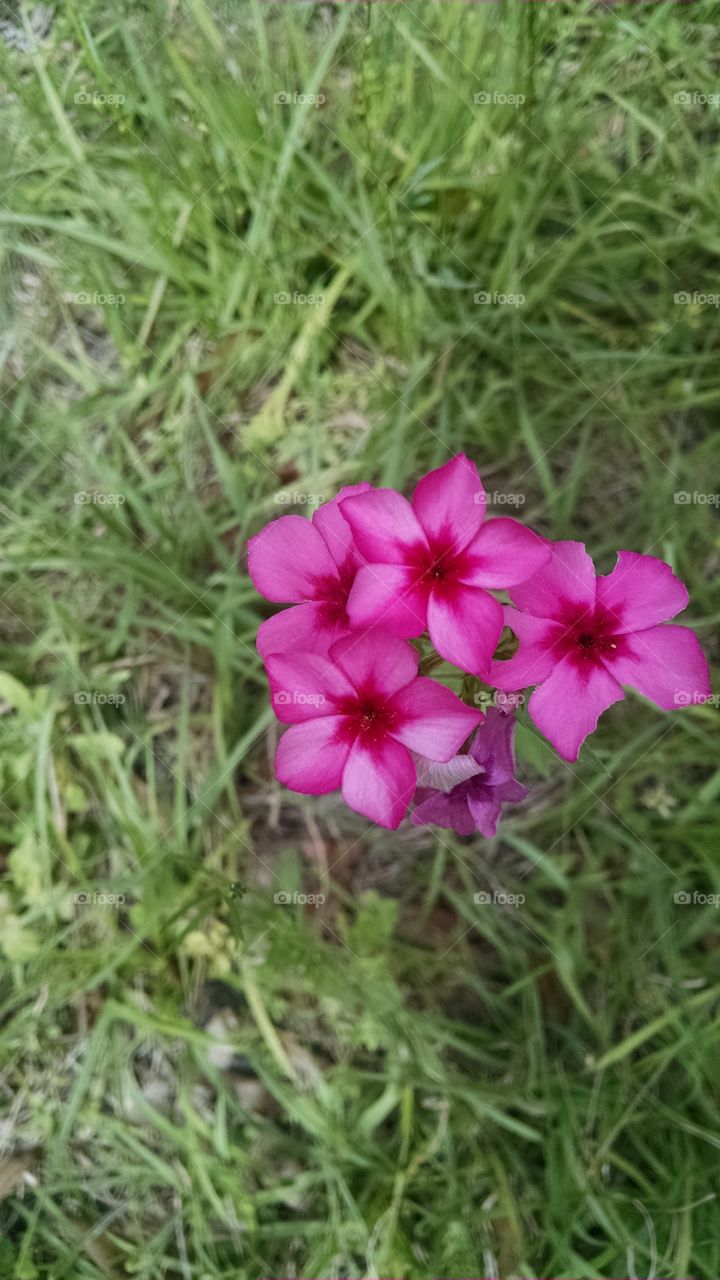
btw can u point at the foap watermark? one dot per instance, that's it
(484, 298)
(86, 299)
(495, 98)
(497, 898)
(85, 697)
(684, 298)
(691, 98)
(502, 499)
(296, 299)
(88, 898)
(685, 898)
(84, 98)
(683, 699)
(682, 498)
(296, 499)
(85, 499)
(287, 899)
(286, 99)
(298, 698)
(508, 702)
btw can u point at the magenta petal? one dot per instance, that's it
(287, 559)
(304, 627)
(568, 579)
(465, 625)
(379, 781)
(451, 812)
(511, 792)
(666, 664)
(641, 591)
(375, 663)
(505, 553)
(485, 808)
(493, 746)
(534, 660)
(566, 708)
(335, 530)
(389, 596)
(431, 719)
(310, 757)
(450, 503)
(304, 686)
(384, 526)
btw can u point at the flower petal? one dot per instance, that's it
(304, 627)
(641, 591)
(665, 664)
(288, 560)
(304, 686)
(379, 781)
(465, 625)
(445, 777)
(384, 526)
(566, 708)
(503, 554)
(450, 503)
(431, 719)
(534, 660)
(310, 757)
(335, 530)
(511, 792)
(451, 812)
(493, 746)
(389, 596)
(568, 580)
(485, 807)
(375, 663)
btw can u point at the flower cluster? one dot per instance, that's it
(372, 571)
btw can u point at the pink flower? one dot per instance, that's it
(582, 637)
(356, 714)
(310, 564)
(431, 562)
(467, 793)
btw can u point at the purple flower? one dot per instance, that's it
(466, 794)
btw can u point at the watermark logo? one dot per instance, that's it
(297, 698)
(501, 499)
(484, 298)
(84, 499)
(691, 98)
(86, 299)
(508, 702)
(83, 98)
(682, 498)
(684, 898)
(287, 99)
(683, 298)
(83, 697)
(86, 898)
(496, 898)
(296, 299)
(684, 699)
(488, 97)
(286, 899)
(296, 499)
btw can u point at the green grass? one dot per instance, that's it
(407, 1084)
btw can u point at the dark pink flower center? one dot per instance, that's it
(589, 637)
(332, 594)
(368, 717)
(438, 566)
